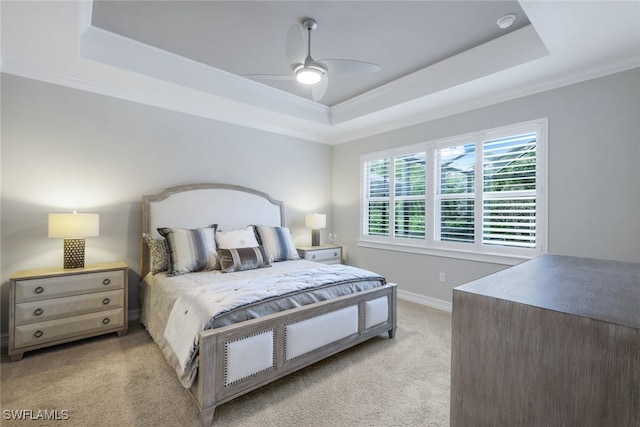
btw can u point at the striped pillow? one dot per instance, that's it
(239, 259)
(277, 242)
(191, 249)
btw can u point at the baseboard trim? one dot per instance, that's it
(4, 338)
(438, 304)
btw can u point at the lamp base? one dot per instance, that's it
(73, 253)
(315, 237)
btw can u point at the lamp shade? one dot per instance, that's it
(315, 221)
(73, 225)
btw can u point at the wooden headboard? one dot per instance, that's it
(200, 205)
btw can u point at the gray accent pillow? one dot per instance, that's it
(239, 259)
(158, 253)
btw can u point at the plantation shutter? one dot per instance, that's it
(455, 192)
(377, 186)
(509, 191)
(409, 195)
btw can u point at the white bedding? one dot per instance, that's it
(175, 309)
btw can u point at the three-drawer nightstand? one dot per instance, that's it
(323, 254)
(53, 306)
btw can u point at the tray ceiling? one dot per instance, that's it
(437, 58)
(249, 37)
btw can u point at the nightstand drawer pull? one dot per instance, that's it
(313, 257)
(39, 290)
(106, 282)
(38, 312)
(106, 301)
(335, 254)
(38, 334)
(105, 321)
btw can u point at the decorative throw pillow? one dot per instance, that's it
(239, 259)
(277, 242)
(158, 253)
(191, 249)
(242, 238)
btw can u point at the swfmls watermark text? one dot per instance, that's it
(36, 414)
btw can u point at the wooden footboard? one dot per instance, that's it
(242, 357)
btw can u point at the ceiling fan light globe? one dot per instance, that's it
(308, 76)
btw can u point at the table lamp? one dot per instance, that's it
(73, 228)
(315, 222)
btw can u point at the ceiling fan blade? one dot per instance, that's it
(295, 45)
(318, 91)
(268, 76)
(349, 66)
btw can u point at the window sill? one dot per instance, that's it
(447, 253)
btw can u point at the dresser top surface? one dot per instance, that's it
(59, 271)
(603, 290)
(315, 248)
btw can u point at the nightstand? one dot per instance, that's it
(324, 254)
(52, 306)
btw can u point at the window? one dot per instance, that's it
(480, 193)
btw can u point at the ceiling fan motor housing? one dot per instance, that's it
(309, 24)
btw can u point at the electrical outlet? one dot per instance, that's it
(442, 276)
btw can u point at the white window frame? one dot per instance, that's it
(475, 251)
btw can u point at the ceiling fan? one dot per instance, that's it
(311, 72)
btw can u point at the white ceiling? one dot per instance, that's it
(467, 63)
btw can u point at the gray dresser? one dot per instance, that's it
(554, 341)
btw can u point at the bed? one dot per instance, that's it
(228, 334)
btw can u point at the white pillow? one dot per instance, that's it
(233, 239)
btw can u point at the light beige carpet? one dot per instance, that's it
(111, 381)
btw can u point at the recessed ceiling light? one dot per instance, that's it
(506, 21)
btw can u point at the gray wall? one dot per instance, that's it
(64, 149)
(593, 171)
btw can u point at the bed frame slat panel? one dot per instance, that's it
(278, 321)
